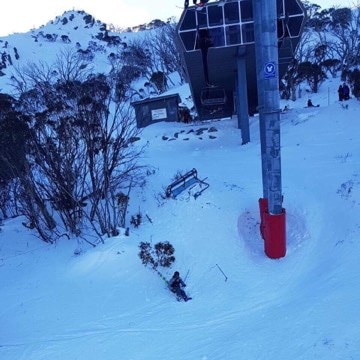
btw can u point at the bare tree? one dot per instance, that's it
(81, 161)
(136, 55)
(291, 80)
(165, 47)
(33, 75)
(112, 156)
(347, 39)
(60, 160)
(70, 66)
(341, 37)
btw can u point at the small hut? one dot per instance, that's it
(153, 110)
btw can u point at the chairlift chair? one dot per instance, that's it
(213, 96)
(190, 179)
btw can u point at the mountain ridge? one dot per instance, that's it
(92, 38)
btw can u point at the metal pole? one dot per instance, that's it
(265, 23)
(258, 30)
(242, 105)
(272, 214)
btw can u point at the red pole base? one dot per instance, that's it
(275, 234)
(263, 206)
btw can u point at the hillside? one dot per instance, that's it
(106, 303)
(71, 301)
(72, 30)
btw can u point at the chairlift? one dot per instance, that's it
(286, 51)
(186, 181)
(213, 96)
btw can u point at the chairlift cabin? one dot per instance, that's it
(213, 96)
(217, 45)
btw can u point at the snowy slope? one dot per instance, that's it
(72, 31)
(105, 304)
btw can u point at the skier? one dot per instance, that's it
(346, 92)
(176, 285)
(341, 93)
(310, 104)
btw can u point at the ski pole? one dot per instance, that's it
(221, 271)
(186, 275)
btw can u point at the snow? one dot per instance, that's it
(104, 304)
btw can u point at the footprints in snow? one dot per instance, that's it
(199, 133)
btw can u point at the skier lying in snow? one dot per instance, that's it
(176, 284)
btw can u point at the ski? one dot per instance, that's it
(179, 299)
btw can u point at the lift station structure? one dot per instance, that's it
(235, 53)
(217, 43)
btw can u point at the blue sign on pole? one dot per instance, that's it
(270, 70)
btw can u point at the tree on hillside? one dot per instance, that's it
(169, 52)
(339, 34)
(109, 132)
(164, 50)
(291, 78)
(58, 155)
(345, 37)
(353, 77)
(330, 43)
(317, 19)
(81, 159)
(136, 55)
(153, 57)
(159, 80)
(131, 62)
(312, 73)
(25, 78)
(70, 66)
(14, 131)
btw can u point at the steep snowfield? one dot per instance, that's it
(106, 304)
